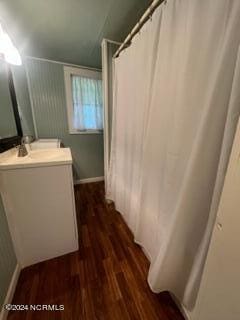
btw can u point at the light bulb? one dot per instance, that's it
(10, 53)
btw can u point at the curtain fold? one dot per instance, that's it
(176, 105)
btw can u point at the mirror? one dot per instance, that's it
(16, 117)
(10, 126)
(10, 123)
(7, 121)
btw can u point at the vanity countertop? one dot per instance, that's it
(35, 158)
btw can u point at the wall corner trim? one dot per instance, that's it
(10, 292)
(88, 180)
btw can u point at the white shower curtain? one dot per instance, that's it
(176, 105)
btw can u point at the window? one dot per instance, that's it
(84, 100)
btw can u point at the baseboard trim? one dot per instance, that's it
(89, 180)
(10, 292)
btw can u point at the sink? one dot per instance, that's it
(35, 158)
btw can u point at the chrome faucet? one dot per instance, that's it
(22, 150)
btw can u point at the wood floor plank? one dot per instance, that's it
(106, 279)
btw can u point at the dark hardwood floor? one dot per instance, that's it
(105, 279)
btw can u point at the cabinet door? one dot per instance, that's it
(219, 295)
(41, 212)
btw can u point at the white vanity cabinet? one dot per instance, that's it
(38, 197)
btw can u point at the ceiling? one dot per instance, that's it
(69, 30)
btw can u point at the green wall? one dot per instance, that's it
(111, 49)
(47, 91)
(7, 256)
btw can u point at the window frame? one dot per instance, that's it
(87, 73)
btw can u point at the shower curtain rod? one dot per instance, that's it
(147, 14)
